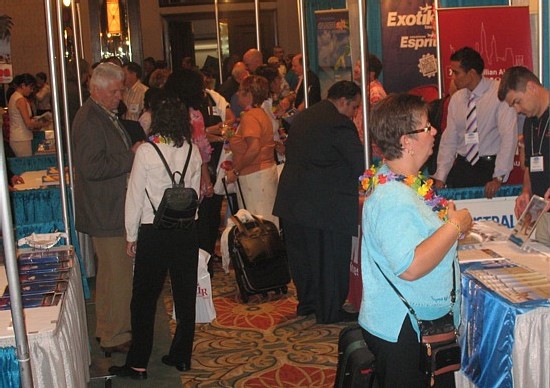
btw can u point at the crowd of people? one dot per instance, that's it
(120, 180)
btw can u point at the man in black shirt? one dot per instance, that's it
(522, 90)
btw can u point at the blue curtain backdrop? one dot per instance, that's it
(374, 29)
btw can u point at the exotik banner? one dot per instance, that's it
(409, 44)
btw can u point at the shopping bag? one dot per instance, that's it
(204, 307)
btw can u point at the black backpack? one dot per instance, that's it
(178, 206)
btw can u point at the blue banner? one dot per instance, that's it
(408, 44)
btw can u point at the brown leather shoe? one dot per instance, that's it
(122, 348)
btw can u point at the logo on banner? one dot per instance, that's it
(408, 44)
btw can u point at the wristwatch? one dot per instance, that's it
(500, 178)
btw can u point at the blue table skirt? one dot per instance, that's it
(39, 211)
(487, 334)
(478, 192)
(9, 368)
(32, 163)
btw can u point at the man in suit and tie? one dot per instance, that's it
(479, 143)
(317, 201)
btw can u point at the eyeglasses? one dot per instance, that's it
(427, 128)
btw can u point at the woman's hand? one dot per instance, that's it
(131, 248)
(280, 147)
(461, 217)
(230, 176)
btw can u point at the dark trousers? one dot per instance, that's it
(159, 251)
(209, 222)
(397, 363)
(463, 174)
(319, 263)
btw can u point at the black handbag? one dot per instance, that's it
(179, 204)
(439, 347)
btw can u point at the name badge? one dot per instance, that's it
(471, 138)
(537, 164)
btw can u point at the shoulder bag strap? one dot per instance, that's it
(453, 290)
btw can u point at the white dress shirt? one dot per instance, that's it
(148, 173)
(496, 126)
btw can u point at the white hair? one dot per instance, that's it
(104, 73)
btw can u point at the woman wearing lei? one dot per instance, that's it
(411, 233)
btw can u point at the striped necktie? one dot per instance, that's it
(472, 155)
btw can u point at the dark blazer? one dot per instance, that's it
(102, 161)
(324, 159)
(314, 93)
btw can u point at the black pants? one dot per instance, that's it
(463, 174)
(397, 363)
(319, 264)
(159, 251)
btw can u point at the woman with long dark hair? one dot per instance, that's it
(157, 251)
(21, 122)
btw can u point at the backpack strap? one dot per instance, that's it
(184, 171)
(170, 174)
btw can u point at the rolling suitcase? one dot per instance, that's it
(355, 360)
(256, 271)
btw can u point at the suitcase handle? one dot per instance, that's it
(243, 229)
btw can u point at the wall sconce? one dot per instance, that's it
(113, 17)
(67, 3)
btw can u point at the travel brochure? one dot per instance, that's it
(43, 277)
(528, 221)
(513, 282)
(480, 233)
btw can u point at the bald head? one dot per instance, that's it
(253, 59)
(239, 72)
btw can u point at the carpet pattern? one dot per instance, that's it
(260, 344)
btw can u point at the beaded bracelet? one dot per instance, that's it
(457, 226)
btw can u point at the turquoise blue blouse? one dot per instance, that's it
(395, 221)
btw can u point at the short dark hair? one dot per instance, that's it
(469, 59)
(151, 60)
(515, 78)
(268, 72)
(170, 119)
(375, 65)
(24, 79)
(392, 118)
(346, 89)
(42, 76)
(134, 68)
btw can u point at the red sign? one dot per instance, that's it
(502, 35)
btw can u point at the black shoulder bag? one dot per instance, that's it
(178, 206)
(439, 347)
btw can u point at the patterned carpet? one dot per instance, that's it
(260, 344)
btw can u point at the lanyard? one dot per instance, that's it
(541, 137)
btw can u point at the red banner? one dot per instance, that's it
(502, 35)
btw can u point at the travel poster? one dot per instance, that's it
(409, 53)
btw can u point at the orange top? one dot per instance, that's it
(254, 124)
